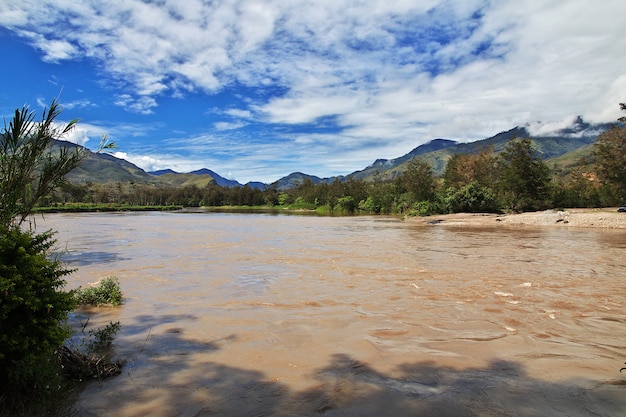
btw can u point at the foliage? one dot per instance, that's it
(473, 198)
(284, 199)
(32, 309)
(106, 292)
(418, 180)
(580, 190)
(610, 152)
(424, 208)
(29, 169)
(103, 337)
(481, 168)
(369, 205)
(525, 178)
(91, 359)
(40, 390)
(346, 204)
(33, 304)
(89, 207)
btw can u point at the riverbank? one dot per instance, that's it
(608, 218)
(96, 208)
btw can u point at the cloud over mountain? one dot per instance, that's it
(335, 82)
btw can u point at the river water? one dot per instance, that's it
(263, 315)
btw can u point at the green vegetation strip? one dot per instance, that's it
(80, 207)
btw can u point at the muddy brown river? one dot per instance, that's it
(277, 315)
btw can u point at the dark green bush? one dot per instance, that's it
(33, 310)
(473, 198)
(106, 292)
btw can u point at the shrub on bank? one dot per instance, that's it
(33, 310)
(33, 303)
(37, 369)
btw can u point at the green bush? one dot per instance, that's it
(33, 310)
(106, 292)
(473, 198)
(346, 204)
(424, 208)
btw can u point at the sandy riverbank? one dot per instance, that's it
(608, 218)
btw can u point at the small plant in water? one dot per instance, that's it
(91, 359)
(102, 337)
(106, 292)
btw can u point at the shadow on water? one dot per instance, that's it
(181, 384)
(87, 258)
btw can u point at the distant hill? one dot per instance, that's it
(382, 166)
(555, 145)
(256, 185)
(162, 172)
(184, 180)
(293, 179)
(219, 180)
(103, 168)
(564, 150)
(581, 159)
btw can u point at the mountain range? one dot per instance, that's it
(564, 148)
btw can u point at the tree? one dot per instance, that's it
(610, 153)
(486, 169)
(418, 180)
(481, 168)
(458, 172)
(29, 167)
(525, 178)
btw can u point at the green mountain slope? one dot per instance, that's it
(549, 147)
(105, 168)
(565, 151)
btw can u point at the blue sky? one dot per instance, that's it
(255, 90)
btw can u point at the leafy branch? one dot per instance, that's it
(29, 167)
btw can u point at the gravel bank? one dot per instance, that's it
(607, 218)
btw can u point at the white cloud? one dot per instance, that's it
(83, 132)
(77, 136)
(546, 128)
(390, 75)
(559, 54)
(147, 163)
(78, 104)
(295, 110)
(228, 125)
(142, 105)
(243, 114)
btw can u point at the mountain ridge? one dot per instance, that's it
(104, 167)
